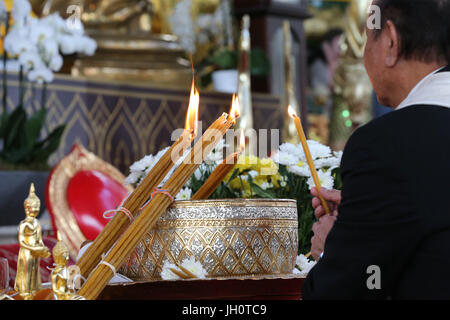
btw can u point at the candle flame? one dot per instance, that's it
(242, 141)
(235, 110)
(192, 113)
(292, 112)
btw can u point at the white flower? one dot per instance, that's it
(301, 169)
(30, 60)
(194, 267)
(49, 49)
(190, 264)
(166, 274)
(17, 43)
(133, 177)
(143, 164)
(253, 173)
(283, 181)
(56, 63)
(216, 155)
(285, 158)
(2, 8)
(184, 194)
(67, 44)
(40, 75)
(330, 162)
(20, 11)
(325, 178)
(292, 149)
(338, 154)
(318, 150)
(182, 25)
(41, 32)
(55, 22)
(86, 45)
(266, 185)
(304, 265)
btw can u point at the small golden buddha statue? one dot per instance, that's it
(32, 249)
(61, 275)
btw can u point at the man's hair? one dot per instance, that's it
(423, 25)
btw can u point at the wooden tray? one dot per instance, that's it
(286, 287)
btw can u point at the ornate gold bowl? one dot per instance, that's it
(229, 237)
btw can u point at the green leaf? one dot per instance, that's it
(14, 128)
(225, 59)
(34, 126)
(233, 176)
(259, 62)
(3, 123)
(260, 192)
(17, 155)
(44, 149)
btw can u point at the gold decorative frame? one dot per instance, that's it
(63, 219)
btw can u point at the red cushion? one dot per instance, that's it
(90, 193)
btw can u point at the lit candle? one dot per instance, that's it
(217, 176)
(116, 256)
(142, 193)
(312, 168)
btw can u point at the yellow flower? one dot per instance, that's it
(268, 167)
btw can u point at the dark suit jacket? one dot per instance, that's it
(395, 211)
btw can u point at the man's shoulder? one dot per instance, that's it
(403, 122)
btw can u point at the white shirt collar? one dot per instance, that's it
(434, 89)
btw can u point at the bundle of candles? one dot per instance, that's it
(111, 248)
(135, 200)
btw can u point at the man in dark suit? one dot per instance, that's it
(389, 234)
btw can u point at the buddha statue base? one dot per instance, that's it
(155, 59)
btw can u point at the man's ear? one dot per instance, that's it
(391, 43)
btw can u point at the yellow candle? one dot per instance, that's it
(312, 168)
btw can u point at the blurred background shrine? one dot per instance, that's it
(122, 98)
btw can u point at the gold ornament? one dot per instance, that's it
(245, 121)
(32, 249)
(290, 99)
(61, 275)
(352, 87)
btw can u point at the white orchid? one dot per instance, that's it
(67, 44)
(30, 60)
(41, 75)
(56, 62)
(87, 45)
(46, 37)
(16, 42)
(21, 11)
(41, 32)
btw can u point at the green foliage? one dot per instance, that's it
(22, 146)
(228, 59)
(20, 136)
